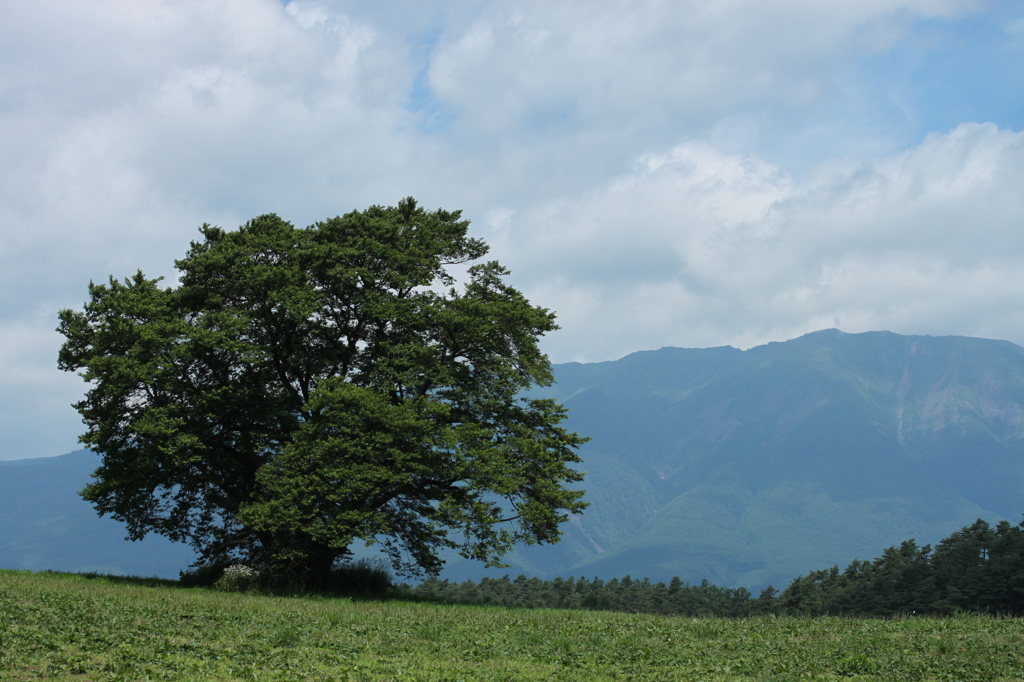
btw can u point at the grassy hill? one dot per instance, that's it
(61, 627)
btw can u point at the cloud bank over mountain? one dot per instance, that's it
(693, 246)
(658, 173)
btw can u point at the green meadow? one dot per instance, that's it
(76, 627)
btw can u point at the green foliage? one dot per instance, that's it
(977, 568)
(59, 627)
(361, 577)
(625, 595)
(304, 389)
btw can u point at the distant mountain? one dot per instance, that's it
(751, 467)
(44, 524)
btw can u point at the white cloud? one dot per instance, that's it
(613, 153)
(34, 397)
(696, 247)
(527, 64)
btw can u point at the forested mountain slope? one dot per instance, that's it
(741, 467)
(750, 467)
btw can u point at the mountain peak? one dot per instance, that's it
(741, 466)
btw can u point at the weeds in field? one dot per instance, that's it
(57, 627)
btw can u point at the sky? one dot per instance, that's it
(674, 173)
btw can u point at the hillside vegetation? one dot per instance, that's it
(747, 468)
(744, 468)
(978, 568)
(60, 627)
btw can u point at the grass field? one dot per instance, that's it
(70, 627)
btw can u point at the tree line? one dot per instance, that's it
(632, 596)
(977, 568)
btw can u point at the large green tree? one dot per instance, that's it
(300, 390)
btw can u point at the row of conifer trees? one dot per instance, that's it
(977, 568)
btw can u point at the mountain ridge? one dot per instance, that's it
(749, 467)
(715, 440)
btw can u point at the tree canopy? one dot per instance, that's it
(300, 390)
